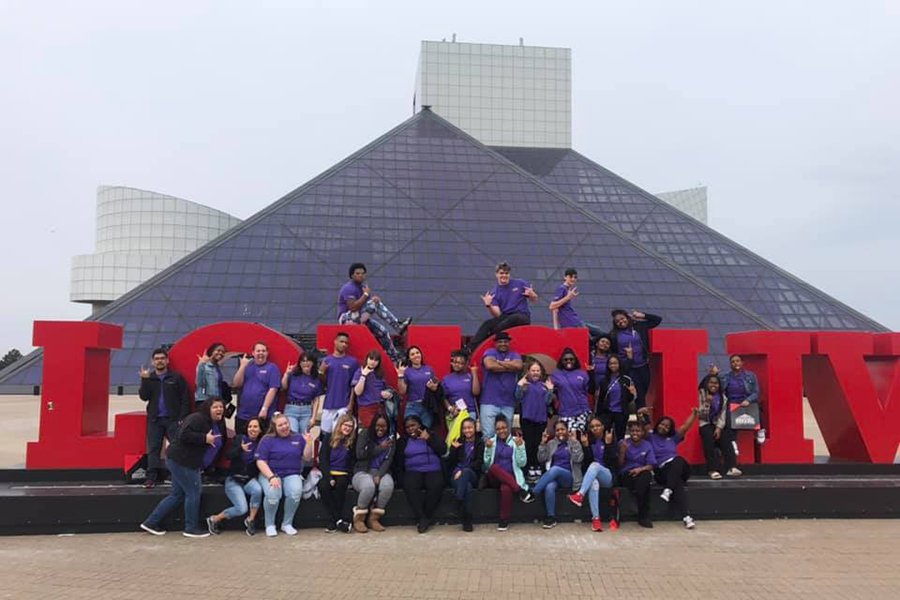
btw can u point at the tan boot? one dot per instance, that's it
(374, 516)
(359, 520)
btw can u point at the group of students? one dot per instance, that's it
(561, 439)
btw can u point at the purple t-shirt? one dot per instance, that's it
(375, 463)
(736, 387)
(614, 395)
(664, 448)
(534, 402)
(284, 455)
(562, 457)
(339, 456)
(161, 402)
(571, 389)
(210, 455)
(371, 390)
(350, 292)
(630, 337)
(499, 389)
(598, 448)
(459, 386)
(566, 315)
(503, 455)
(420, 457)
(599, 368)
(715, 407)
(248, 456)
(511, 298)
(337, 380)
(258, 380)
(638, 455)
(467, 460)
(303, 389)
(416, 378)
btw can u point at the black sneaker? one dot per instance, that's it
(467, 524)
(195, 533)
(250, 526)
(212, 525)
(343, 526)
(331, 527)
(404, 324)
(646, 522)
(423, 525)
(549, 523)
(526, 497)
(154, 529)
(502, 526)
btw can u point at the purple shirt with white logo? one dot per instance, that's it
(598, 449)
(664, 448)
(571, 389)
(566, 315)
(210, 455)
(736, 387)
(248, 455)
(303, 389)
(630, 337)
(614, 395)
(371, 390)
(337, 380)
(350, 292)
(375, 463)
(284, 455)
(258, 380)
(534, 402)
(503, 455)
(459, 386)
(420, 457)
(511, 298)
(638, 455)
(562, 457)
(499, 389)
(416, 378)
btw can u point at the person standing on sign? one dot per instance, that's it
(184, 459)
(630, 332)
(741, 386)
(356, 304)
(508, 305)
(168, 403)
(564, 314)
(336, 372)
(259, 381)
(498, 395)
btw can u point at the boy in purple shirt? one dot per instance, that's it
(564, 314)
(336, 372)
(498, 394)
(356, 304)
(259, 381)
(507, 303)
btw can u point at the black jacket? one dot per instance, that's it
(434, 441)
(603, 398)
(175, 395)
(190, 443)
(458, 455)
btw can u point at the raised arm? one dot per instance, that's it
(686, 426)
(476, 383)
(238, 380)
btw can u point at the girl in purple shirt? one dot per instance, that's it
(535, 393)
(418, 459)
(600, 456)
(279, 458)
(336, 458)
(636, 463)
(572, 384)
(614, 396)
(241, 481)
(672, 471)
(416, 379)
(715, 428)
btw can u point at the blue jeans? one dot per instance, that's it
(292, 490)
(463, 487)
(596, 477)
(489, 414)
(186, 487)
(552, 479)
(238, 493)
(299, 416)
(418, 409)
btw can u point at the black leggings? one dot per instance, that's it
(423, 492)
(641, 378)
(617, 421)
(724, 443)
(640, 487)
(333, 496)
(496, 325)
(673, 475)
(531, 432)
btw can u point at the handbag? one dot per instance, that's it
(745, 417)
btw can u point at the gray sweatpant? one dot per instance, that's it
(364, 484)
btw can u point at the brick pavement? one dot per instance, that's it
(756, 560)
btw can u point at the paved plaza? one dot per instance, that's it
(756, 560)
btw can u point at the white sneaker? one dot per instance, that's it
(715, 475)
(689, 522)
(761, 437)
(271, 531)
(666, 494)
(289, 529)
(734, 472)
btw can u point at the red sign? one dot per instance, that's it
(852, 381)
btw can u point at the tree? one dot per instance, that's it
(9, 358)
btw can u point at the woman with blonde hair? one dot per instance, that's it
(336, 458)
(279, 458)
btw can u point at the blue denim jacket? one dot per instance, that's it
(207, 382)
(750, 384)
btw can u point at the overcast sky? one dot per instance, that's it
(788, 111)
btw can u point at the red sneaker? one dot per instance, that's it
(613, 525)
(597, 525)
(576, 499)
